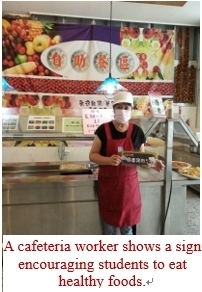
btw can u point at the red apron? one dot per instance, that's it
(118, 186)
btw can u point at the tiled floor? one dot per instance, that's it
(192, 219)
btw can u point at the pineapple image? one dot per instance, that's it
(142, 104)
(34, 28)
(20, 53)
(24, 29)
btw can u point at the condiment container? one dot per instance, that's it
(169, 109)
(197, 134)
(198, 150)
(193, 148)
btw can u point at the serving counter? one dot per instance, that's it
(38, 199)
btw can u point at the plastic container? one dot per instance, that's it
(197, 134)
(169, 109)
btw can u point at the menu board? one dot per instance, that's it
(92, 118)
(9, 122)
(74, 125)
(41, 123)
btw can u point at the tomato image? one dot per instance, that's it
(31, 99)
(62, 102)
(149, 33)
(48, 100)
(18, 100)
(132, 32)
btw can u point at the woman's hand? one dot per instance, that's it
(159, 166)
(115, 160)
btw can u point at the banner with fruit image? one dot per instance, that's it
(52, 104)
(68, 105)
(43, 57)
(155, 50)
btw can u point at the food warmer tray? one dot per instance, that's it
(30, 170)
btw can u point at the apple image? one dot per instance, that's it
(21, 50)
(29, 48)
(41, 42)
(19, 59)
(57, 39)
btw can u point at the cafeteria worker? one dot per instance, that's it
(119, 197)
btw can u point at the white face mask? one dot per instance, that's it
(122, 116)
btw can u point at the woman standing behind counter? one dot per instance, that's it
(119, 196)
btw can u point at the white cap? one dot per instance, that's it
(123, 97)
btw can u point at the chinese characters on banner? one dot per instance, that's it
(92, 118)
(92, 102)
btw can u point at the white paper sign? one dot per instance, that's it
(92, 118)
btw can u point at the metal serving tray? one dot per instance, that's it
(65, 168)
(74, 168)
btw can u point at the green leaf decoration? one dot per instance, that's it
(135, 43)
(47, 26)
(144, 43)
(160, 75)
(134, 102)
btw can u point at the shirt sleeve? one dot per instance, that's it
(100, 132)
(138, 137)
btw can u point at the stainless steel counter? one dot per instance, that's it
(49, 172)
(37, 199)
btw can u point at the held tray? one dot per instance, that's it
(137, 158)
